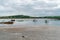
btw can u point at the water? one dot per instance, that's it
(39, 33)
(32, 22)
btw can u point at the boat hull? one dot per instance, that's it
(6, 22)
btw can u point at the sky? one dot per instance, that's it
(30, 7)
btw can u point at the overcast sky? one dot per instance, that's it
(30, 7)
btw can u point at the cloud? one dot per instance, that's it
(30, 7)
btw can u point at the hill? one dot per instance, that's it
(16, 16)
(25, 16)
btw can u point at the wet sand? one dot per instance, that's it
(30, 33)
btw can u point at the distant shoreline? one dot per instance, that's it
(29, 17)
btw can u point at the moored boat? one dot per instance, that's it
(6, 22)
(9, 22)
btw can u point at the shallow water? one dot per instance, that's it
(32, 22)
(42, 33)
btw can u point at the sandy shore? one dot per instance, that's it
(30, 33)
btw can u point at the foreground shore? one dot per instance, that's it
(30, 33)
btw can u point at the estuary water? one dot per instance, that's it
(32, 22)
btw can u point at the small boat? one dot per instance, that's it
(34, 20)
(9, 22)
(6, 22)
(12, 20)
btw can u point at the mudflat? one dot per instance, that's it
(30, 33)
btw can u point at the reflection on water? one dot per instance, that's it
(33, 22)
(38, 22)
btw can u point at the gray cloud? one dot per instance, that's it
(31, 7)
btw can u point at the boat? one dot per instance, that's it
(12, 20)
(34, 20)
(6, 22)
(9, 22)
